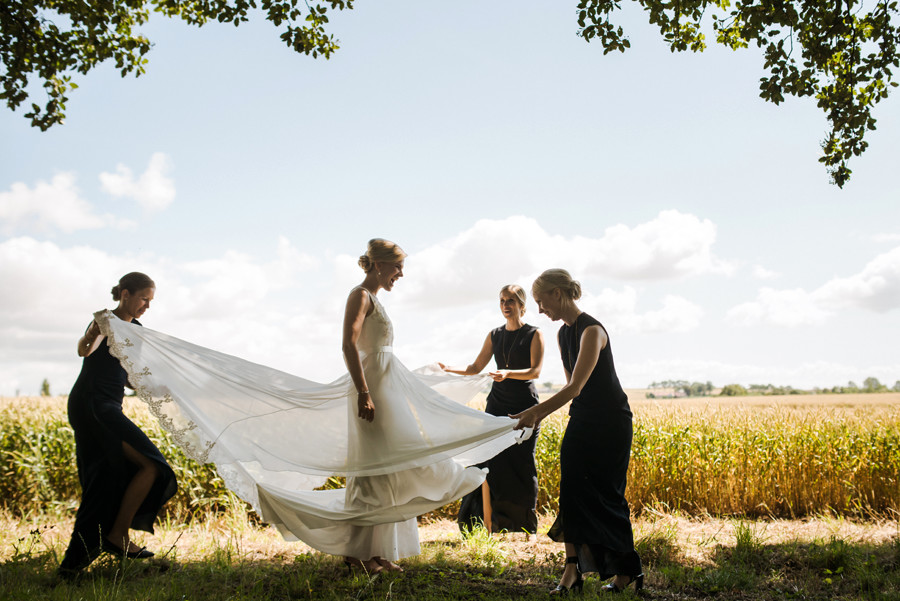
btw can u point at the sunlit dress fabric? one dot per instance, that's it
(275, 437)
(594, 456)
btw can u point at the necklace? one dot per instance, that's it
(504, 352)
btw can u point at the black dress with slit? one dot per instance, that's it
(593, 513)
(512, 475)
(95, 413)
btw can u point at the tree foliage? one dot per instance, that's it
(49, 40)
(839, 51)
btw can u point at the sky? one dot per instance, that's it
(491, 143)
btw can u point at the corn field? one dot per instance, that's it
(757, 457)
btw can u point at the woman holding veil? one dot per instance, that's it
(405, 441)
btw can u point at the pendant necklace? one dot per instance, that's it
(504, 352)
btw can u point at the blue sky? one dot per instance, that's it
(491, 143)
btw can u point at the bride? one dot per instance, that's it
(404, 440)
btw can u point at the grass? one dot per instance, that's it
(226, 558)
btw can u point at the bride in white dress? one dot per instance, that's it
(404, 440)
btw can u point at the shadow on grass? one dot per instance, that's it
(751, 569)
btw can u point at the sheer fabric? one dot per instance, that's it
(274, 437)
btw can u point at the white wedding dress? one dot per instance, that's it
(275, 437)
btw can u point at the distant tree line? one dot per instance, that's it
(683, 388)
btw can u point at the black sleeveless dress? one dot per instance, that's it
(95, 412)
(512, 475)
(593, 513)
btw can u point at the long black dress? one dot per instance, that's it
(512, 475)
(593, 513)
(95, 412)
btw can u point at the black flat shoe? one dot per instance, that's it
(612, 588)
(112, 549)
(575, 587)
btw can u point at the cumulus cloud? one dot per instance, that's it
(153, 189)
(491, 253)
(786, 308)
(761, 273)
(886, 237)
(227, 303)
(876, 288)
(620, 308)
(56, 205)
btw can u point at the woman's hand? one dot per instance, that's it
(530, 418)
(499, 375)
(366, 406)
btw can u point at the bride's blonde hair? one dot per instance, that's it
(380, 249)
(557, 278)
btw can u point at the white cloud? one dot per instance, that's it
(875, 288)
(786, 308)
(619, 309)
(227, 303)
(153, 190)
(886, 237)
(478, 261)
(51, 206)
(761, 273)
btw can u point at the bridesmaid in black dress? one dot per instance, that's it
(124, 478)
(508, 498)
(593, 521)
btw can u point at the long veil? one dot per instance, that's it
(267, 429)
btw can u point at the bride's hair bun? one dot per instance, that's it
(380, 249)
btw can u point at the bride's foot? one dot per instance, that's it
(370, 566)
(387, 565)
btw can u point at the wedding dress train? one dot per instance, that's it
(275, 437)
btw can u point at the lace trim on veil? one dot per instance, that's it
(198, 451)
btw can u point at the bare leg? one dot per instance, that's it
(135, 493)
(486, 504)
(570, 574)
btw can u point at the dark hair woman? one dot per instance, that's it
(124, 478)
(593, 520)
(508, 498)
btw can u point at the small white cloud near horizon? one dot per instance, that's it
(153, 190)
(56, 205)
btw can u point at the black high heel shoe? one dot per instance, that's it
(576, 586)
(112, 549)
(612, 588)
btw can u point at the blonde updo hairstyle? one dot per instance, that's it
(557, 278)
(132, 282)
(381, 250)
(519, 293)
